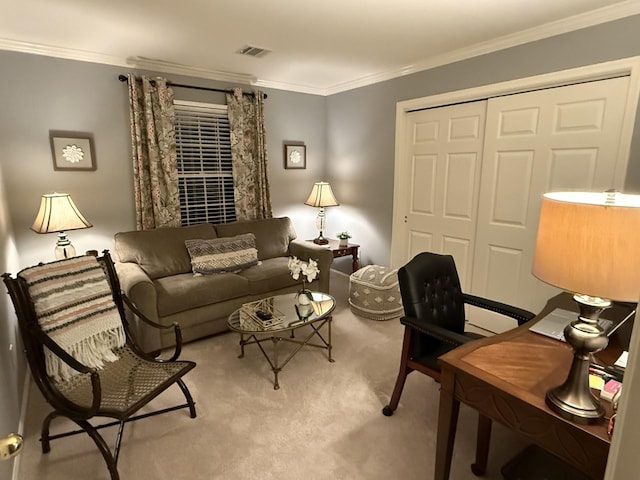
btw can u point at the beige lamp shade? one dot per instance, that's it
(321, 196)
(588, 244)
(58, 213)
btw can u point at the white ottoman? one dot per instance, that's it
(374, 293)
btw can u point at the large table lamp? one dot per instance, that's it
(321, 196)
(587, 244)
(59, 214)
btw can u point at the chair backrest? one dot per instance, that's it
(32, 332)
(430, 289)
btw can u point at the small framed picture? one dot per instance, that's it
(295, 156)
(72, 151)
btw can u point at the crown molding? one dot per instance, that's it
(584, 20)
(557, 27)
(179, 69)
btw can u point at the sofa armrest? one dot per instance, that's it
(307, 250)
(140, 290)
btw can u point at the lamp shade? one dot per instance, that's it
(58, 213)
(587, 243)
(321, 196)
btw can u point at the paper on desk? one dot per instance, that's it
(622, 360)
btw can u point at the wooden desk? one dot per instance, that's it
(505, 378)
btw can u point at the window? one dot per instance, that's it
(203, 147)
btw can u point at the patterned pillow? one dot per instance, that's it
(226, 254)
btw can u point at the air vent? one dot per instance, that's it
(253, 51)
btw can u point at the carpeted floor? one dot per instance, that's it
(324, 423)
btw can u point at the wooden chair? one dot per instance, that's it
(434, 318)
(119, 388)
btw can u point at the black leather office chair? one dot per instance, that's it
(434, 316)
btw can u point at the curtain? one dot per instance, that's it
(155, 170)
(249, 155)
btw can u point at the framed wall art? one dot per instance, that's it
(295, 156)
(72, 151)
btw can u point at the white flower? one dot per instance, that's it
(72, 153)
(309, 269)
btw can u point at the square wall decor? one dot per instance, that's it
(295, 156)
(72, 151)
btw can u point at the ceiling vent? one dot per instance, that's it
(253, 51)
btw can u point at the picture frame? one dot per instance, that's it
(72, 151)
(295, 156)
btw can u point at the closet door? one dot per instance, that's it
(439, 178)
(563, 138)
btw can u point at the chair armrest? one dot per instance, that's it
(58, 351)
(521, 315)
(308, 250)
(141, 316)
(435, 331)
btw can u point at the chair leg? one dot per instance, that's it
(44, 437)
(102, 446)
(189, 398)
(402, 375)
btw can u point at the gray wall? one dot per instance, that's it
(361, 123)
(349, 138)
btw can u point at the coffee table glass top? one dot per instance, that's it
(285, 314)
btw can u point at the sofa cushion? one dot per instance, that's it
(160, 252)
(227, 254)
(178, 293)
(273, 235)
(272, 274)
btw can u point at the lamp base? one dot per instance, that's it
(320, 240)
(64, 248)
(573, 399)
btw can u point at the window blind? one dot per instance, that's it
(203, 147)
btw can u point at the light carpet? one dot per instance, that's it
(324, 423)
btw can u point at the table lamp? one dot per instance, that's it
(59, 214)
(587, 244)
(321, 196)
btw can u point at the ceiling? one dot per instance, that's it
(320, 47)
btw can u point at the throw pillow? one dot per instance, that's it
(226, 254)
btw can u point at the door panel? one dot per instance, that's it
(563, 138)
(443, 151)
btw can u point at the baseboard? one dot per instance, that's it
(21, 423)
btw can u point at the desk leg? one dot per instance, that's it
(447, 423)
(355, 264)
(479, 468)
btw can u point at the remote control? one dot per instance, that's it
(263, 315)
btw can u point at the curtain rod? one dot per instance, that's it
(123, 78)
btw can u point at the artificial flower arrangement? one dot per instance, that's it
(307, 270)
(343, 235)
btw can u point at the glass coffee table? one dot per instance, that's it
(286, 317)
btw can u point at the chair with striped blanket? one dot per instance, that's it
(71, 315)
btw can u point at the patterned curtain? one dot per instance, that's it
(249, 155)
(155, 171)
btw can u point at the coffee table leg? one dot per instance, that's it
(241, 346)
(329, 343)
(276, 369)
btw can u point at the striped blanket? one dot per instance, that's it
(74, 306)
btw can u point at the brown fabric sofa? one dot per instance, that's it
(155, 272)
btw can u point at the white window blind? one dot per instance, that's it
(203, 146)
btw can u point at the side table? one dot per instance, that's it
(350, 249)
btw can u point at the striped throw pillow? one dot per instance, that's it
(227, 254)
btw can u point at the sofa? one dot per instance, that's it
(156, 272)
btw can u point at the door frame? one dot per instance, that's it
(601, 71)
